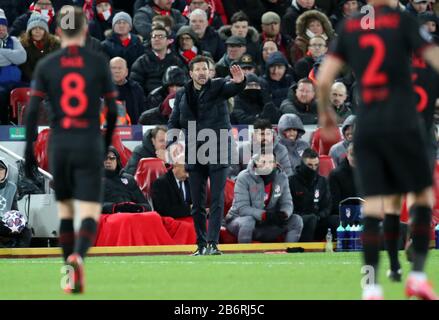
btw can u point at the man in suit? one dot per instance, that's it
(200, 107)
(171, 194)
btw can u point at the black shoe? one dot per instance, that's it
(213, 250)
(394, 276)
(201, 251)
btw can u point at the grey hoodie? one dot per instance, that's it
(8, 190)
(280, 152)
(295, 148)
(338, 150)
(250, 194)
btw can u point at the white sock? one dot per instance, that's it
(372, 290)
(418, 275)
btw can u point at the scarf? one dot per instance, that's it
(48, 14)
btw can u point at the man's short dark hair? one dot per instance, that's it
(167, 21)
(239, 16)
(305, 80)
(71, 28)
(198, 59)
(309, 154)
(262, 124)
(156, 130)
(160, 28)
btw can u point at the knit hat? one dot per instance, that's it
(37, 20)
(122, 16)
(270, 17)
(276, 58)
(3, 19)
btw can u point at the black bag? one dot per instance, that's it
(28, 186)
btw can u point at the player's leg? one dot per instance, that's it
(66, 229)
(373, 215)
(89, 212)
(420, 215)
(391, 224)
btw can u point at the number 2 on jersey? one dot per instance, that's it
(73, 86)
(372, 76)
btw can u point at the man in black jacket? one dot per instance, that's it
(254, 103)
(312, 199)
(200, 105)
(171, 194)
(153, 146)
(130, 92)
(120, 187)
(341, 181)
(149, 68)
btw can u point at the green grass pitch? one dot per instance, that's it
(231, 276)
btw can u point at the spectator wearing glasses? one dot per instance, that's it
(149, 68)
(317, 49)
(310, 24)
(44, 7)
(120, 187)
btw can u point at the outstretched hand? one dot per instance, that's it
(237, 74)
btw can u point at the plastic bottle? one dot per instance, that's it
(354, 234)
(436, 232)
(340, 238)
(348, 238)
(329, 245)
(359, 246)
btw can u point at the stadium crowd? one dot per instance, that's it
(279, 44)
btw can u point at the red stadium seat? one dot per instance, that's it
(40, 149)
(326, 165)
(124, 152)
(148, 170)
(19, 98)
(322, 148)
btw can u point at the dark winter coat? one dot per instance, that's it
(113, 47)
(143, 20)
(34, 55)
(132, 93)
(212, 43)
(210, 111)
(310, 192)
(341, 184)
(145, 150)
(148, 69)
(167, 198)
(121, 187)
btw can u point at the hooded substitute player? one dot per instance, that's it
(74, 79)
(390, 143)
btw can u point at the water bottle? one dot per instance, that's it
(436, 232)
(340, 238)
(328, 247)
(354, 233)
(348, 238)
(359, 243)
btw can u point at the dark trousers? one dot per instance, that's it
(197, 182)
(315, 229)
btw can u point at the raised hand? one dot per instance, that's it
(237, 74)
